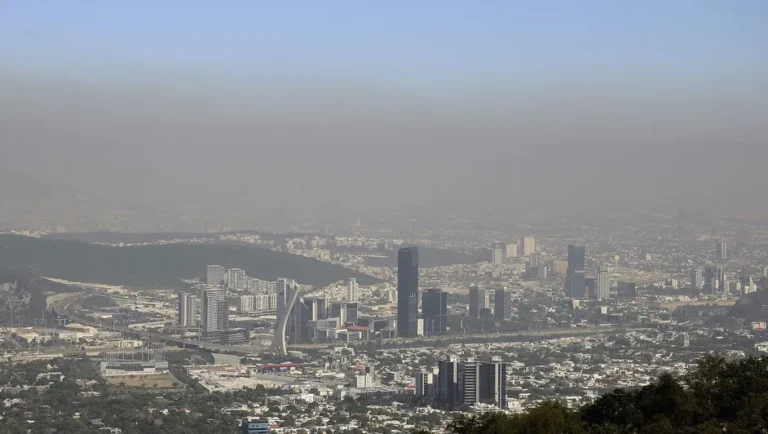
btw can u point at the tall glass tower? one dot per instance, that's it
(575, 283)
(407, 291)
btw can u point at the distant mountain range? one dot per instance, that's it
(428, 256)
(160, 266)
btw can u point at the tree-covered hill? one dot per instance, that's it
(720, 396)
(158, 266)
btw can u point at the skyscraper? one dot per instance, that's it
(498, 255)
(603, 283)
(215, 311)
(352, 289)
(527, 245)
(351, 312)
(575, 285)
(493, 383)
(710, 279)
(407, 291)
(500, 304)
(511, 250)
(721, 277)
(434, 306)
(476, 297)
(469, 380)
(338, 310)
(215, 275)
(425, 384)
(697, 279)
(287, 297)
(721, 251)
(448, 382)
(188, 305)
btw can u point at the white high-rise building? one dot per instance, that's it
(246, 303)
(215, 316)
(261, 302)
(215, 275)
(603, 283)
(721, 251)
(188, 305)
(352, 288)
(236, 279)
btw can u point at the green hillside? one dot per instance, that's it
(159, 266)
(720, 396)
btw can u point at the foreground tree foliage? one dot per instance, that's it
(720, 396)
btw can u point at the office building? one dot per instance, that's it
(476, 297)
(318, 308)
(287, 298)
(434, 308)
(351, 309)
(511, 250)
(215, 316)
(721, 251)
(500, 303)
(407, 291)
(338, 310)
(493, 383)
(603, 283)
(697, 279)
(469, 380)
(188, 305)
(721, 277)
(215, 275)
(470, 383)
(748, 284)
(425, 384)
(448, 383)
(710, 279)
(498, 253)
(526, 245)
(254, 426)
(575, 284)
(352, 290)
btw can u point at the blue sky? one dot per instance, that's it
(408, 43)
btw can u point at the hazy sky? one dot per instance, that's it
(551, 106)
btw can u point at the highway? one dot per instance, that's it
(476, 338)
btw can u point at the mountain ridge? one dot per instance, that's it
(160, 266)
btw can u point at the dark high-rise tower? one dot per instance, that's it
(407, 291)
(575, 284)
(475, 301)
(500, 304)
(434, 307)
